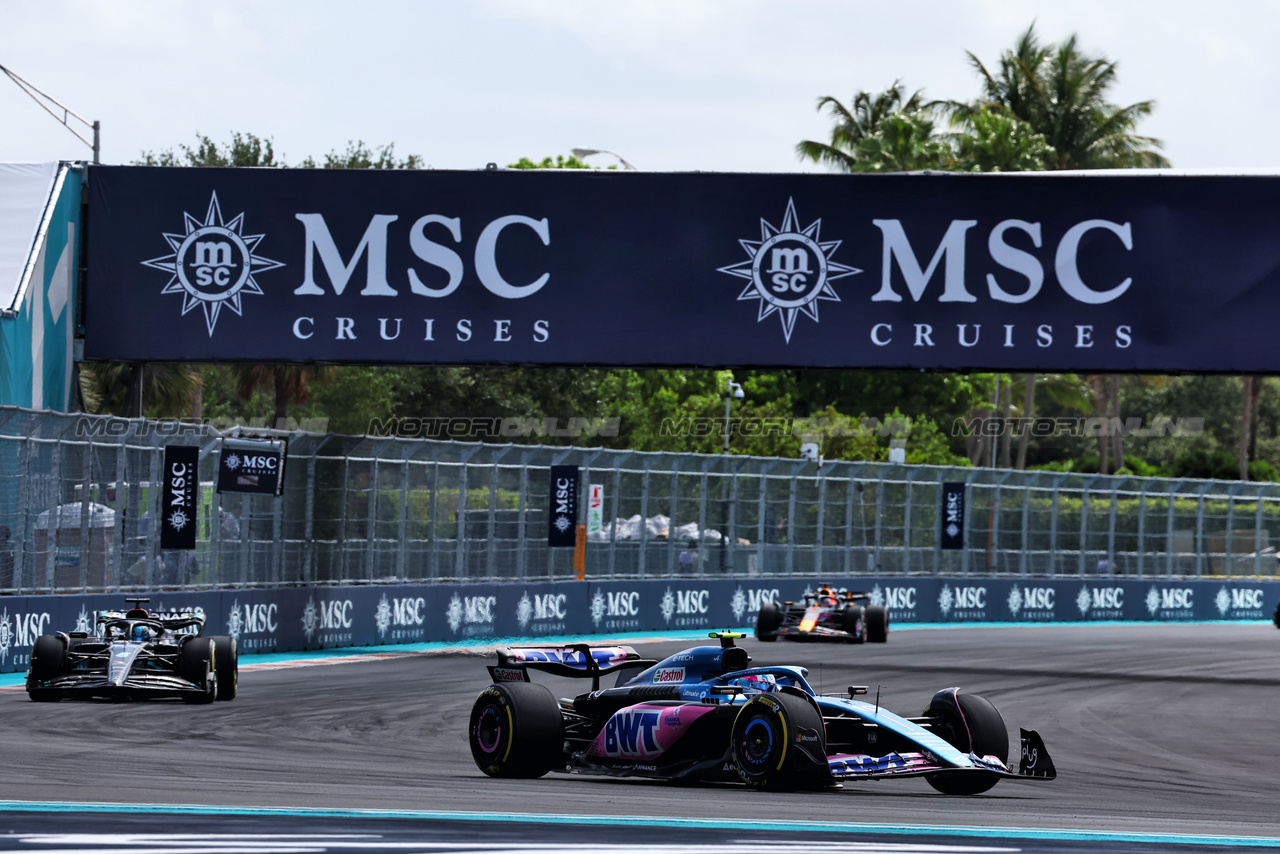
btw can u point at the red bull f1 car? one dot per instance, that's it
(135, 654)
(704, 714)
(827, 613)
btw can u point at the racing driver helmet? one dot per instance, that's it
(140, 632)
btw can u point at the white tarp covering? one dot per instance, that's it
(26, 191)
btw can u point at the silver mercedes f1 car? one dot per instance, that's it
(135, 654)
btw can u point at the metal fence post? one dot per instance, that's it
(906, 525)
(850, 486)
(1026, 524)
(491, 558)
(642, 560)
(791, 525)
(617, 513)
(671, 519)
(522, 520)
(1053, 525)
(1229, 536)
(1083, 546)
(1200, 546)
(1260, 490)
(822, 512)
(1111, 525)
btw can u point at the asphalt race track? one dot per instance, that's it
(1159, 732)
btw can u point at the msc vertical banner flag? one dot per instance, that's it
(178, 511)
(952, 515)
(1030, 271)
(563, 522)
(256, 467)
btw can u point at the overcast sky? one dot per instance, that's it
(671, 85)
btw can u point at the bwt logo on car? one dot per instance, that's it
(545, 610)
(616, 609)
(1100, 603)
(473, 615)
(259, 619)
(1241, 603)
(1170, 603)
(631, 733)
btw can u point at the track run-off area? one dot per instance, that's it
(1163, 734)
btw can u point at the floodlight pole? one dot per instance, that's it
(67, 114)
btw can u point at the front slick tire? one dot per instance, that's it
(779, 742)
(48, 661)
(970, 724)
(516, 730)
(853, 619)
(198, 664)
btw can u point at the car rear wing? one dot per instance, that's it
(577, 661)
(173, 620)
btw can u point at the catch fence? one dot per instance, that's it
(78, 504)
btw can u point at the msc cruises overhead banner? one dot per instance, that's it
(1019, 272)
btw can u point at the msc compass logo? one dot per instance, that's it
(789, 270)
(212, 263)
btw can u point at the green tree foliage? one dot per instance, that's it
(904, 142)
(244, 149)
(360, 156)
(861, 120)
(996, 142)
(1061, 93)
(560, 162)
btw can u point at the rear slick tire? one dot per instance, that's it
(227, 659)
(768, 621)
(877, 618)
(516, 730)
(971, 724)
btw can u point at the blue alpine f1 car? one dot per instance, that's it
(705, 714)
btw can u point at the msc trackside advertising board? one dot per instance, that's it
(308, 618)
(995, 272)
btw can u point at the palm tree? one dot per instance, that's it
(998, 142)
(167, 389)
(288, 383)
(1061, 94)
(860, 120)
